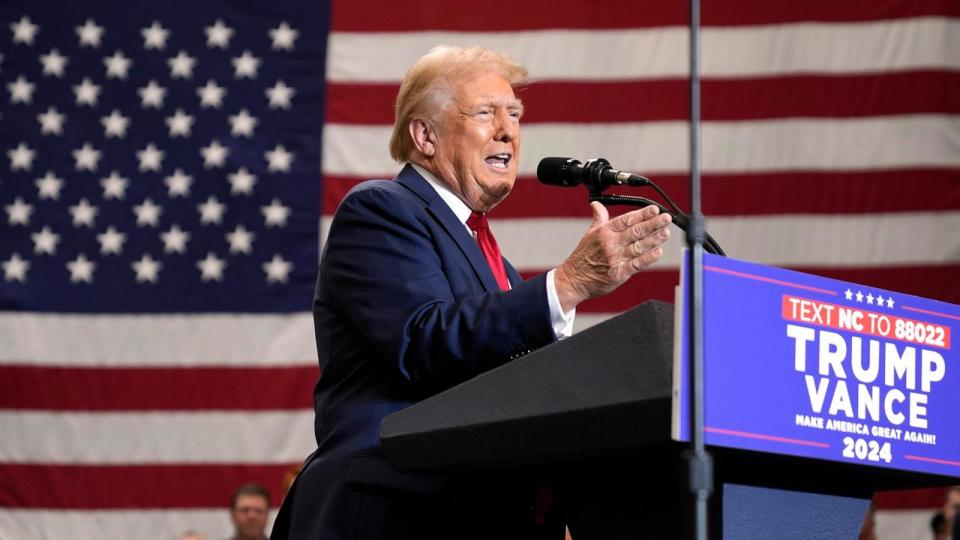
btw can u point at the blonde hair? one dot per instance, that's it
(429, 86)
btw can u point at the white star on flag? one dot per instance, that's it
(81, 269)
(90, 34)
(45, 241)
(83, 213)
(150, 158)
(245, 66)
(21, 157)
(279, 159)
(86, 158)
(242, 182)
(211, 95)
(24, 31)
(19, 212)
(15, 268)
(49, 186)
(181, 66)
(211, 268)
(115, 125)
(218, 35)
(54, 63)
(241, 240)
(86, 92)
(178, 184)
(275, 214)
(51, 122)
(152, 95)
(279, 95)
(117, 65)
(175, 240)
(111, 241)
(179, 124)
(211, 211)
(21, 90)
(283, 37)
(147, 213)
(114, 186)
(242, 124)
(155, 37)
(146, 269)
(277, 269)
(214, 155)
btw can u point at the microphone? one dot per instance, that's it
(595, 174)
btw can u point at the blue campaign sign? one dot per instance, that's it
(814, 367)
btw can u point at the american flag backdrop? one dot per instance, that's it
(163, 173)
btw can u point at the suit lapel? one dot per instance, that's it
(412, 180)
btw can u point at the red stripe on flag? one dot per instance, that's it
(914, 498)
(658, 100)
(508, 15)
(156, 389)
(132, 486)
(740, 194)
(926, 281)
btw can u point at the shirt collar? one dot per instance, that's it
(460, 208)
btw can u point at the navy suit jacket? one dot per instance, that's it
(405, 307)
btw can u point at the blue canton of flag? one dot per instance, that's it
(159, 156)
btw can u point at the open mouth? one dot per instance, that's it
(499, 161)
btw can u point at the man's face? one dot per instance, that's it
(250, 516)
(478, 141)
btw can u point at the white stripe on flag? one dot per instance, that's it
(649, 53)
(157, 340)
(868, 143)
(156, 437)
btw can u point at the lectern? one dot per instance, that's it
(591, 416)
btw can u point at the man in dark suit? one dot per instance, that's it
(413, 297)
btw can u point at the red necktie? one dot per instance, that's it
(488, 245)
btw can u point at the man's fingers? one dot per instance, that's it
(649, 242)
(648, 258)
(624, 222)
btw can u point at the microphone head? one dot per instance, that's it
(560, 171)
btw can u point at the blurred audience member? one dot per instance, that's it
(248, 511)
(950, 510)
(191, 535)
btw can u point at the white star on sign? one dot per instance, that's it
(279, 159)
(146, 269)
(155, 37)
(81, 269)
(150, 158)
(214, 155)
(211, 268)
(179, 124)
(211, 95)
(115, 125)
(245, 66)
(879, 300)
(147, 213)
(178, 184)
(211, 211)
(54, 63)
(117, 65)
(241, 240)
(890, 302)
(111, 241)
(83, 213)
(280, 95)
(848, 294)
(45, 241)
(24, 31)
(21, 157)
(175, 240)
(114, 186)
(869, 298)
(277, 269)
(49, 186)
(152, 95)
(283, 37)
(86, 158)
(21, 90)
(276, 214)
(86, 92)
(218, 35)
(859, 296)
(19, 212)
(242, 181)
(242, 124)
(15, 268)
(181, 66)
(90, 34)
(51, 121)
